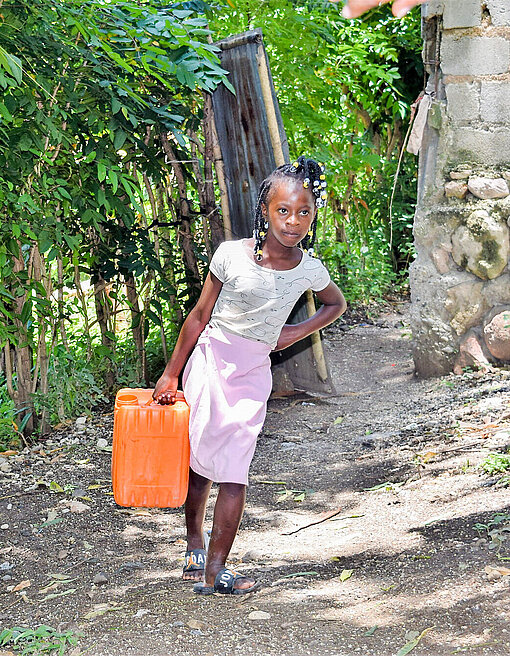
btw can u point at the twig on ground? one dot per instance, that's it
(320, 521)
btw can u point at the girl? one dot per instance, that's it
(238, 320)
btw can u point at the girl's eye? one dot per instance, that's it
(282, 210)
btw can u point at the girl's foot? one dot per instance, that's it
(228, 581)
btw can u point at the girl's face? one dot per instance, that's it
(290, 211)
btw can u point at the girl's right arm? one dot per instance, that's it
(196, 321)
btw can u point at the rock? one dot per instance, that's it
(197, 624)
(81, 421)
(378, 440)
(466, 305)
(497, 336)
(248, 557)
(78, 506)
(5, 466)
(102, 443)
(456, 189)
(481, 245)
(486, 188)
(460, 175)
(441, 259)
(470, 354)
(259, 615)
(141, 612)
(100, 579)
(177, 623)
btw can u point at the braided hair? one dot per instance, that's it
(311, 173)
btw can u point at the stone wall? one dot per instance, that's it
(460, 280)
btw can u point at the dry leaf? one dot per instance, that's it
(496, 572)
(21, 586)
(100, 609)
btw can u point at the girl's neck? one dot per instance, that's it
(275, 255)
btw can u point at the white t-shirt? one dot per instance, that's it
(255, 301)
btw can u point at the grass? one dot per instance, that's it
(497, 531)
(42, 640)
(497, 463)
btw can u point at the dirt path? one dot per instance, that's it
(414, 557)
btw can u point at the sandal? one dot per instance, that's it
(194, 559)
(224, 584)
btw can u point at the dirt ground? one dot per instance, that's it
(398, 565)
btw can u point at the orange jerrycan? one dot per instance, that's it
(150, 459)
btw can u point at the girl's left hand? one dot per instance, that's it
(287, 337)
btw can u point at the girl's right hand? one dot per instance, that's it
(166, 390)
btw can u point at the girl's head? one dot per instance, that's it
(306, 172)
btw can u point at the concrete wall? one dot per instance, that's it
(460, 280)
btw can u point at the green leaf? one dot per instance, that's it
(120, 139)
(409, 646)
(346, 574)
(101, 171)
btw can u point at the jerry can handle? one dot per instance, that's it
(179, 396)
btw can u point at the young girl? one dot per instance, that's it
(238, 320)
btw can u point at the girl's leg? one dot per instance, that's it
(228, 512)
(196, 501)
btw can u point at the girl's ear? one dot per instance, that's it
(263, 208)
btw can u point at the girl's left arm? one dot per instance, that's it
(333, 305)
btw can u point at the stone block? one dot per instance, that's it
(462, 13)
(499, 11)
(433, 8)
(488, 188)
(495, 101)
(496, 333)
(463, 102)
(481, 245)
(474, 55)
(485, 147)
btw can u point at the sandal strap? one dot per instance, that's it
(194, 560)
(225, 579)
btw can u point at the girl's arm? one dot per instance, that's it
(333, 305)
(195, 322)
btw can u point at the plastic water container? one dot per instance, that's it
(150, 459)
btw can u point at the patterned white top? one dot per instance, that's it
(255, 302)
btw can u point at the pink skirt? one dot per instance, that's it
(227, 382)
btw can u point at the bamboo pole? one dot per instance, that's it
(276, 143)
(219, 169)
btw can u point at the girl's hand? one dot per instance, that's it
(166, 390)
(355, 8)
(287, 337)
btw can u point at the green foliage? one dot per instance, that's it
(497, 463)
(42, 640)
(344, 90)
(9, 435)
(72, 387)
(497, 530)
